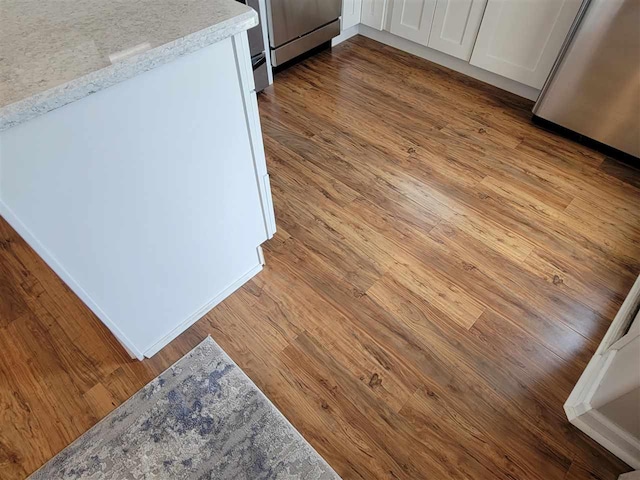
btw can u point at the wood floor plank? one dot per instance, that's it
(490, 362)
(624, 171)
(582, 178)
(577, 283)
(494, 235)
(410, 187)
(443, 271)
(498, 282)
(368, 361)
(12, 305)
(415, 456)
(447, 298)
(518, 286)
(540, 225)
(35, 424)
(557, 150)
(444, 144)
(547, 195)
(534, 179)
(101, 402)
(425, 79)
(580, 472)
(617, 237)
(428, 363)
(351, 245)
(325, 419)
(412, 205)
(57, 307)
(477, 443)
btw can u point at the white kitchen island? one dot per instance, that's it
(131, 156)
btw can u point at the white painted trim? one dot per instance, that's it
(450, 62)
(252, 118)
(270, 212)
(164, 341)
(635, 475)
(578, 406)
(57, 267)
(345, 35)
(610, 436)
(623, 318)
(578, 401)
(243, 61)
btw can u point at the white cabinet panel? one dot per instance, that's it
(520, 39)
(455, 26)
(351, 12)
(411, 19)
(144, 197)
(373, 13)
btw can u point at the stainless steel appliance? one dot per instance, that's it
(594, 87)
(257, 48)
(297, 26)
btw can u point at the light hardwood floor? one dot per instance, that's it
(443, 271)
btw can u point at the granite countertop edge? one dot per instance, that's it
(24, 110)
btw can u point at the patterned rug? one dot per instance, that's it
(203, 418)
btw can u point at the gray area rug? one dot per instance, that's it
(203, 418)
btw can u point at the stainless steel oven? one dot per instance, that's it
(296, 26)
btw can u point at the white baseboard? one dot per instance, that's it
(635, 475)
(446, 61)
(610, 436)
(156, 347)
(57, 267)
(345, 35)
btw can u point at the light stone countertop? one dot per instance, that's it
(54, 52)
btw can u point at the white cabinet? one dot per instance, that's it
(455, 26)
(351, 12)
(604, 403)
(148, 198)
(373, 13)
(411, 19)
(520, 39)
(450, 26)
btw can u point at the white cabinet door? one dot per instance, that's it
(455, 26)
(351, 11)
(373, 13)
(520, 39)
(411, 19)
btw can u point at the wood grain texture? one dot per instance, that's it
(442, 273)
(626, 171)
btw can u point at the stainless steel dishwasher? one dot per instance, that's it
(297, 26)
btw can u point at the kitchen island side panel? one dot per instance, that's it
(143, 197)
